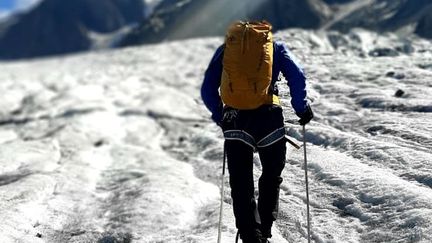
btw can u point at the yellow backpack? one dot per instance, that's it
(247, 66)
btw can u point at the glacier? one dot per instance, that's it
(116, 145)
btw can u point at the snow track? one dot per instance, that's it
(117, 146)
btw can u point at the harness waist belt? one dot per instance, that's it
(245, 137)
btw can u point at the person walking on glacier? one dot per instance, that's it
(239, 89)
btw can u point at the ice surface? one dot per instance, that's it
(117, 145)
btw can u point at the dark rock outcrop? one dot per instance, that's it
(424, 27)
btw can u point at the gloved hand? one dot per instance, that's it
(306, 116)
(229, 119)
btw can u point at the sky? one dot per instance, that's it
(9, 6)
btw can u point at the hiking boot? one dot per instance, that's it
(251, 237)
(265, 235)
(252, 240)
(265, 240)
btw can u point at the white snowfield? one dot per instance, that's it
(116, 146)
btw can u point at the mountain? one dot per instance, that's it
(179, 19)
(59, 27)
(388, 15)
(174, 19)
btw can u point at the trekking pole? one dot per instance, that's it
(222, 194)
(307, 183)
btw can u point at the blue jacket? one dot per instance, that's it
(283, 61)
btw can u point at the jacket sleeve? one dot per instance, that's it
(294, 74)
(210, 87)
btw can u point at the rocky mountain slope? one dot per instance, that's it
(390, 15)
(176, 19)
(58, 27)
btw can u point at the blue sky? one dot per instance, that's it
(9, 6)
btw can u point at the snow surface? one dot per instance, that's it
(117, 145)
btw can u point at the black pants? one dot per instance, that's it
(250, 216)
